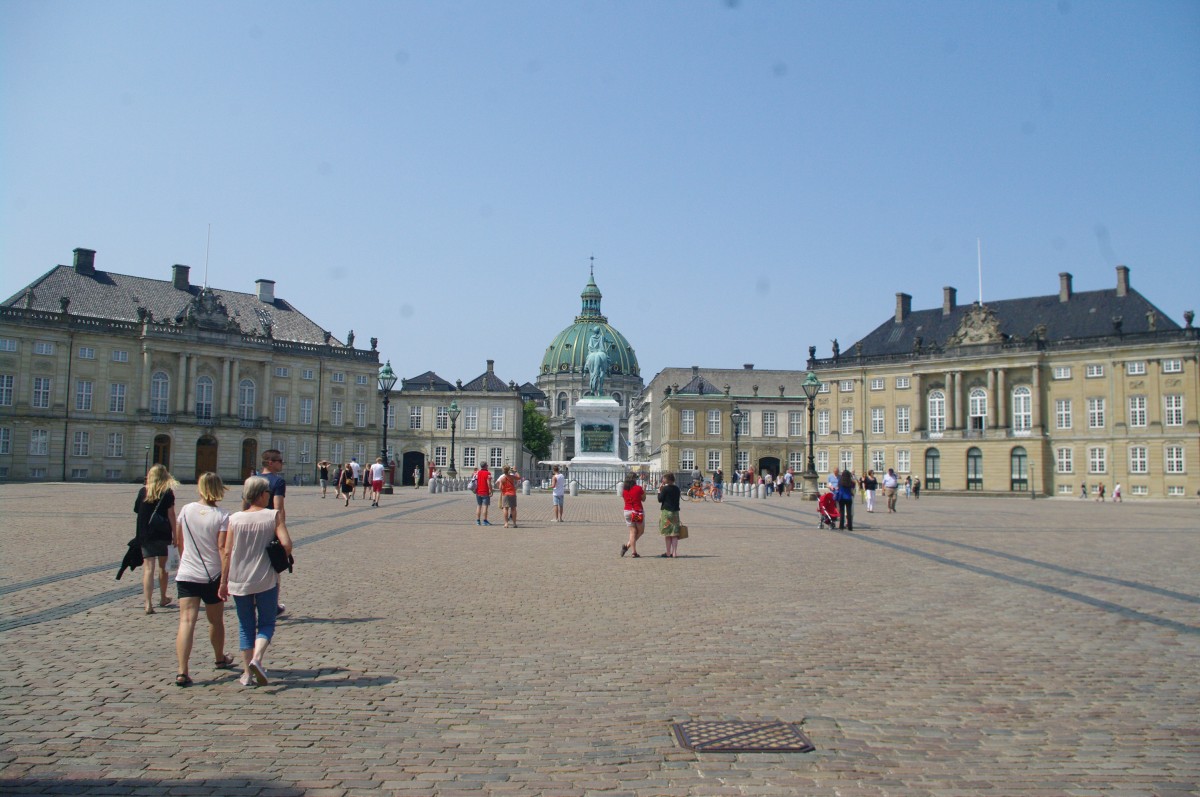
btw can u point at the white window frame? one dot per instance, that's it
(1094, 371)
(846, 386)
(43, 347)
(687, 459)
(247, 399)
(1173, 409)
(769, 423)
(282, 371)
(306, 411)
(1173, 460)
(39, 442)
(821, 460)
(687, 422)
(204, 398)
(977, 405)
(120, 356)
(877, 421)
(81, 443)
(1173, 366)
(1097, 460)
(43, 387)
(83, 395)
(415, 418)
(1137, 411)
(497, 420)
(714, 424)
(1096, 412)
(1139, 459)
(361, 380)
(469, 457)
(903, 383)
(903, 420)
(337, 377)
(877, 460)
(308, 374)
(116, 397)
(5, 440)
(823, 422)
(1063, 414)
(7, 386)
(1062, 372)
(795, 423)
(441, 418)
(1064, 460)
(160, 394)
(1135, 368)
(87, 353)
(846, 459)
(877, 383)
(471, 419)
(714, 460)
(495, 457)
(936, 403)
(336, 412)
(440, 456)
(846, 424)
(115, 445)
(743, 459)
(903, 460)
(360, 414)
(280, 409)
(1022, 409)
(8, 344)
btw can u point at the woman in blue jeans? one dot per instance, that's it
(247, 575)
(845, 499)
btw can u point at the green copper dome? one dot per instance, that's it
(567, 351)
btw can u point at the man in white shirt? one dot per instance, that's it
(890, 483)
(376, 480)
(356, 471)
(558, 487)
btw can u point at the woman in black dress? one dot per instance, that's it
(668, 516)
(157, 497)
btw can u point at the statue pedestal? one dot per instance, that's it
(597, 465)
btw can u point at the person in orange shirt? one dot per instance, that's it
(508, 495)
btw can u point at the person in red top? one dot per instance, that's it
(483, 494)
(508, 495)
(635, 515)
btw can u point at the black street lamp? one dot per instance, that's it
(454, 412)
(735, 418)
(811, 387)
(147, 468)
(387, 381)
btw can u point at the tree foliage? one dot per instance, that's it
(537, 434)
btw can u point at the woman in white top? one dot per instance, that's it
(247, 574)
(200, 537)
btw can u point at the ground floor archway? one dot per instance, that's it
(162, 450)
(206, 455)
(413, 460)
(249, 457)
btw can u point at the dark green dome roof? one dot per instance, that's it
(567, 351)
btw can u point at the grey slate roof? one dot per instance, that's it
(426, 381)
(104, 294)
(741, 381)
(1088, 314)
(700, 386)
(486, 381)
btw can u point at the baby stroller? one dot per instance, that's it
(828, 510)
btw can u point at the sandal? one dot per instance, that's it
(183, 679)
(165, 602)
(225, 663)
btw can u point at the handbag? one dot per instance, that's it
(280, 559)
(158, 525)
(683, 532)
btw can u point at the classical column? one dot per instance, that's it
(918, 408)
(223, 408)
(264, 403)
(190, 400)
(950, 402)
(958, 413)
(1002, 399)
(144, 403)
(1036, 397)
(993, 398)
(181, 390)
(234, 378)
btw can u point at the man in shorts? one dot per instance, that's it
(508, 495)
(558, 488)
(483, 494)
(376, 480)
(356, 471)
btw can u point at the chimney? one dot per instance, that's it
(266, 291)
(179, 276)
(695, 371)
(1064, 286)
(748, 366)
(85, 262)
(949, 300)
(491, 366)
(1122, 280)
(903, 307)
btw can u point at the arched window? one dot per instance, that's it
(1020, 470)
(246, 409)
(977, 409)
(160, 392)
(937, 412)
(974, 469)
(933, 469)
(562, 404)
(204, 398)
(617, 398)
(1022, 409)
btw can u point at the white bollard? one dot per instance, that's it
(525, 487)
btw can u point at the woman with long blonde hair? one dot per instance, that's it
(157, 497)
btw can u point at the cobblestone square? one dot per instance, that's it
(958, 647)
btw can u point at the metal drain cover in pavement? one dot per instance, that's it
(742, 737)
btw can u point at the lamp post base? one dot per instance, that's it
(811, 491)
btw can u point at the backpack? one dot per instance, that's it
(473, 485)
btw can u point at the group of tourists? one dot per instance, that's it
(634, 495)
(843, 486)
(221, 555)
(347, 477)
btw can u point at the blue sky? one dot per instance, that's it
(751, 177)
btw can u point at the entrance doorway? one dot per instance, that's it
(933, 469)
(974, 469)
(413, 460)
(769, 465)
(1020, 470)
(162, 450)
(249, 457)
(206, 455)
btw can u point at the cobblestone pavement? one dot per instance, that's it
(959, 647)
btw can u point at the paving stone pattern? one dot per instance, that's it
(958, 647)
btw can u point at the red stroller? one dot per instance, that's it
(828, 509)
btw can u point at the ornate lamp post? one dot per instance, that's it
(454, 413)
(387, 381)
(147, 468)
(735, 418)
(811, 387)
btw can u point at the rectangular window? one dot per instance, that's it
(795, 423)
(687, 459)
(83, 395)
(1094, 372)
(361, 452)
(1172, 366)
(877, 460)
(1135, 367)
(768, 419)
(822, 460)
(361, 379)
(43, 347)
(391, 416)
(1139, 489)
(1062, 414)
(471, 419)
(1176, 490)
(335, 413)
(120, 356)
(1097, 460)
(305, 453)
(687, 421)
(6, 389)
(877, 420)
(846, 459)
(41, 392)
(282, 371)
(306, 411)
(495, 457)
(847, 426)
(1173, 410)
(338, 377)
(1137, 410)
(1062, 372)
(796, 460)
(469, 457)
(81, 446)
(1139, 462)
(714, 459)
(307, 373)
(442, 419)
(440, 456)
(414, 417)
(903, 460)
(877, 383)
(846, 386)
(8, 344)
(360, 414)
(280, 409)
(903, 383)
(822, 421)
(824, 388)
(39, 442)
(744, 426)
(497, 419)
(79, 473)
(37, 473)
(337, 453)
(115, 446)
(937, 412)
(204, 398)
(714, 423)
(1064, 460)
(743, 460)
(1066, 489)
(116, 397)
(87, 353)
(1174, 459)
(903, 420)
(5, 440)
(1095, 413)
